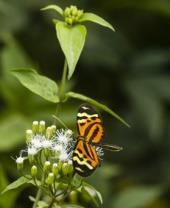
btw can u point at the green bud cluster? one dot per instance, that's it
(72, 15)
(55, 173)
(40, 128)
(61, 169)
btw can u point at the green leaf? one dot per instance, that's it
(97, 104)
(53, 7)
(137, 197)
(4, 199)
(42, 204)
(19, 182)
(38, 84)
(96, 19)
(76, 182)
(71, 206)
(91, 194)
(72, 39)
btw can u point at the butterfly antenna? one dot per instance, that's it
(113, 148)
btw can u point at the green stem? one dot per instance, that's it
(38, 196)
(62, 88)
(39, 193)
(63, 81)
(52, 202)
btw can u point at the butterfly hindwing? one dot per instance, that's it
(89, 124)
(85, 158)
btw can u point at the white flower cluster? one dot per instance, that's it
(58, 142)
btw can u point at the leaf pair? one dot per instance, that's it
(48, 89)
(72, 38)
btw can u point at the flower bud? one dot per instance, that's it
(42, 127)
(79, 13)
(67, 169)
(35, 127)
(20, 163)
(53, 127)
(73, 8)
(74, 11)
(49, 132)
(73, 197)
(29, 135)
(33, 171)
(69, 20)
(46, 166)
(50, 179)
(60, 164)
(67, 11)
(55, 169)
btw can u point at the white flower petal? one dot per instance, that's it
(19, 160)
(46, 144)
(32, 151)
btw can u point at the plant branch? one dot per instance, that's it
(39, 193)
(63, 81)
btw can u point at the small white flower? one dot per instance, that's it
(63, 156)
(58, 148)
(20, 160)
(62, 136)
(32, 151)
(36, 141)
(46, 143)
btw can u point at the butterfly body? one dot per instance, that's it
(91, 133)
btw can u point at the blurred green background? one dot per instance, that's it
(127, 70)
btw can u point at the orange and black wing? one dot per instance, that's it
(89, 124)
(85, 158)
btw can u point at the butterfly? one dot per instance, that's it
(90, 134)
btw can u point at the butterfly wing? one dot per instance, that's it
(89, 124)
(85, 158)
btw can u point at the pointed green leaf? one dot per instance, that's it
(38, 84)
(97, 104)
(4, 199)
(19, 182)
(71, 206)
(91, 194)
(53, 7)
(72, 39)
(96, 19)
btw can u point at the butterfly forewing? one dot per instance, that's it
(85, 159)
(89, 124)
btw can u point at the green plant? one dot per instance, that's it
(48, 151)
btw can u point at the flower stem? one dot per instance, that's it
(39, 193)
(63, 80)
(52, 202)
(62, 88)
(38, 196)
